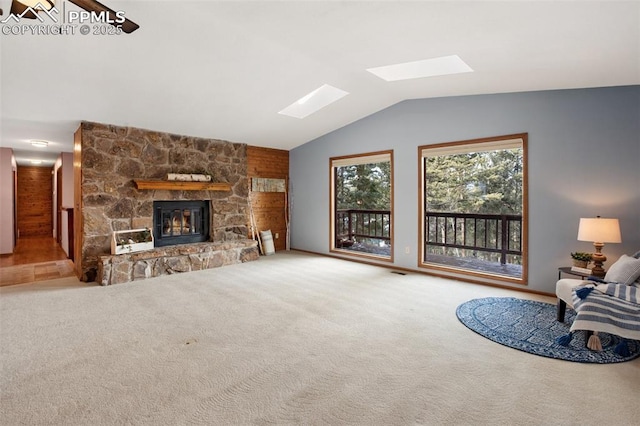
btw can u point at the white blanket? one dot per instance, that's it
(609, 308)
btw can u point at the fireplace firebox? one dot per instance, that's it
(180, 222)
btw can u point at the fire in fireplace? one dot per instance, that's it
(180, 222)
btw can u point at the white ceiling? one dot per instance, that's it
(223, 70)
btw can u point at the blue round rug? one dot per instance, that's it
(531, 327)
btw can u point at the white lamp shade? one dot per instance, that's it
(599, 229)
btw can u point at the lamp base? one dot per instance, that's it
(598, 259)
(598, 271)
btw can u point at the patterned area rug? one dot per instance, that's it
(531, 327)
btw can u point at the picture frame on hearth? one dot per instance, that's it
(131, 240)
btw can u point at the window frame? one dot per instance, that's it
(332, 205)
(451, 146)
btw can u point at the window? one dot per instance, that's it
(362, 205)
(473, 207)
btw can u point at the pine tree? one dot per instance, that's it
(365, 187)
(488, 182)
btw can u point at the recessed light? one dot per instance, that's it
(444, 65)
(36, 161)
(314, 101)
(39, 143)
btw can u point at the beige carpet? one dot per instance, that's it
(289, 339)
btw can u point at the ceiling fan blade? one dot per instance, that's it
(127, 26)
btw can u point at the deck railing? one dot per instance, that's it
(493, 233)
(352, 224)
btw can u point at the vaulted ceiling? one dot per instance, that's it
(223, 69)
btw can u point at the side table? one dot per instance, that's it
(567, 270)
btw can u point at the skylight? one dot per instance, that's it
(444, 65)
(314, 101)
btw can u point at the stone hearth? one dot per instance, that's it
(122, 268)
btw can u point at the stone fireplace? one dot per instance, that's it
(114, 158)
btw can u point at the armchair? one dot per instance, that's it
(611, 305)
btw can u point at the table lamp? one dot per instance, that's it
(599, 230)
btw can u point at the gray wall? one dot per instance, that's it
(584, 160)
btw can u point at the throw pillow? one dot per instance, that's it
(637, 256)
(624, 271)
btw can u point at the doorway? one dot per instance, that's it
(35, 202)
(37, 255)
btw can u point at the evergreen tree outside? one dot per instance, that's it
(484, 182)
(364, 187)
(480, 182)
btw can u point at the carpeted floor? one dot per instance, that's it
(289, 339)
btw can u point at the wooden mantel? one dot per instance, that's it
(181, 185)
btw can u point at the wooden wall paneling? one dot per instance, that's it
(270, 200)
(35, 201)
(267, 162)
(15, 207)
(269, 208)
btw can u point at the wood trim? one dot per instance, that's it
(420, 227)
(363, 255)
(332, 202)
(525, 214)
(364, 154)
(472, 141)
(78, 222)
(391, 208)
(479, 274)
(180, 185)
(525, 207)
(58, 210)
(70, 231)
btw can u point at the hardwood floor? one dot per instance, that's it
(34, 259)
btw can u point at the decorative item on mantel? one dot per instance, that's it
(131, 240)
(189, 177)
